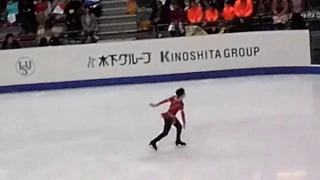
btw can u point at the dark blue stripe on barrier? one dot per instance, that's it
(162, 78)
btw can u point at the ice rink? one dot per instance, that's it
(249, 128)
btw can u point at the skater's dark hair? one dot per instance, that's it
(180, 92)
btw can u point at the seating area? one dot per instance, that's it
(49, 22)
(201, 17)
(31, 23)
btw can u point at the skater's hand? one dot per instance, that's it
(152, 105)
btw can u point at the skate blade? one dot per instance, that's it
(180, 145)
(153, 147)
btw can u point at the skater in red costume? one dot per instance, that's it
(176, 104)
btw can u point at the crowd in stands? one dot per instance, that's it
(219, 16)
(49, 21)
(56, 22)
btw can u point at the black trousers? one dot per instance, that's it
(166, 129)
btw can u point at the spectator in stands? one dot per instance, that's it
(58, 7)
(298, 6)
(94, 6)
(42, 10)
(177, 17)
(73, 12)
(89, 24)
(159, 16)
(228, 16)
(280, 13)
(12, 11)
(243, 10)
(49, 39)
(264, 7)
(263, 11)
(49, 24)
(144, 13)
(211, 16)
(161, 13)
(211, 13)
(228, 12)
(195, 13)
(27, 16)
(10, 42)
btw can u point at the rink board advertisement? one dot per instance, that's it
(147, 58)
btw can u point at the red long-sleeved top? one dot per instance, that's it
(175, 106)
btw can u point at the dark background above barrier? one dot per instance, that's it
(315, 47)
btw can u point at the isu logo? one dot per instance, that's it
(25, 66)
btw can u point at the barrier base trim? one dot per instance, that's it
(162, 78)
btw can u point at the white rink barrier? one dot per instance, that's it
(145, 61)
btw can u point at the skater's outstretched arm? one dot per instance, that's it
(160, 103)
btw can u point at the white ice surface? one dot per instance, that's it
(252, 128)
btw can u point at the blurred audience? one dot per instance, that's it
(161, 13)
(195, 13)
(298, 6)
(94, 6)
(177, 18)
(243, 10)
(280, 9)
(264, 7)
(27, 16)
(232, 15)
(12, 11)
(69, 18)
(90, 26)
(49, 39)
(41, 19)
(144, 13)
(160, 16)
(10, 43)
(228, 13)
(42, 10)
(58, 7)
(73, 13)
(211, 13)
